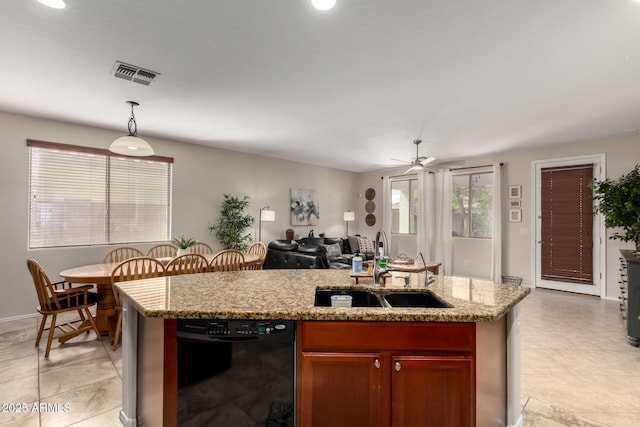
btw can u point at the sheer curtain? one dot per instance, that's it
(386, 208)
(496, 226)
(434, 227)
(443, 250)
(434, 213)
(424, 234)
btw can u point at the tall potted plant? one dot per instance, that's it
(619, 203)
(233, 223)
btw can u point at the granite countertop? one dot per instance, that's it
(289, 295)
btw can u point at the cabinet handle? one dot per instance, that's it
(397, 367)
(376, 363)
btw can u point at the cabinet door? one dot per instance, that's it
(432, 391)
(339, 389)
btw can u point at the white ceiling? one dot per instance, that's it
(349, 88)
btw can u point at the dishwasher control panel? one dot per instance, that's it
(234, 328)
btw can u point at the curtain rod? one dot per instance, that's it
(402, 175)
(474, 167)
(453, 169)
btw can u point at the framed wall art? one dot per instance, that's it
(515, 191)
(304, 207)
(515, 215)
(515, 203)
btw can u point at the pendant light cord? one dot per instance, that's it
(132, 123)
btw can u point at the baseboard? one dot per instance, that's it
(126, 421)
(22, 316)
(518, 423)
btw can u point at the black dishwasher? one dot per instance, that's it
(236, 373)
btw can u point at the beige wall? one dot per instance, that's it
(201, 176)
(622, 154)
(363, 182)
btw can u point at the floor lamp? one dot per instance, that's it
(267, 215)
(348, 217)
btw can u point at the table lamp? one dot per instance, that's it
(348, 217)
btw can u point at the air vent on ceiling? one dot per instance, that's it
(134, 73)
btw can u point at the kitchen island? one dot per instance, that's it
(471, 346)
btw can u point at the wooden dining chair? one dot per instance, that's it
(136, 268)
(227, 260)
(187, 264)
(54, 299)
(163, 250)
(121, 253)
(260, 250)
(201, 248)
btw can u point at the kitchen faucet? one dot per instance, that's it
(426, 272)
(377, 271)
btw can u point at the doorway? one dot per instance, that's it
(568, 249)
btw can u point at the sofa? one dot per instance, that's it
(317, 252)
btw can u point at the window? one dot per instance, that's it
(83, 196)
(404, 206)
(471, 201)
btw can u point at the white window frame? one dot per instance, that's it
(413, 185)
(469, 172)
(145, 194)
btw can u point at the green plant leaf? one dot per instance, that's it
(232, 223)
(183, 242)
(619, 203)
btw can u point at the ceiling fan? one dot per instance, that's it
(419, 162)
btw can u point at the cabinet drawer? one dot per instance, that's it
(383, 336)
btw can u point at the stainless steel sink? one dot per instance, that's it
(364, 298)
(360, 298)
(414, 299)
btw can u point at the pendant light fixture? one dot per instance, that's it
(323, 4)
(55, 4)
(131, 145)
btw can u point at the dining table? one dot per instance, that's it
(100, 275)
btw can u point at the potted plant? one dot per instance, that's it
(619, 203)
(233, 223)
(183, 243)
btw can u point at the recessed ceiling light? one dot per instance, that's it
(325, 4)
(56, 4)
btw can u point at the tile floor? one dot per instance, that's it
(577, 370)
(577, 367)
(79, 384)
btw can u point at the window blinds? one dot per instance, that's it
(567, 224)
(84, 196)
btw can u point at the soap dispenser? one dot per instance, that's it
(356, 264)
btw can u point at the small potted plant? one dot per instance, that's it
(183, 243)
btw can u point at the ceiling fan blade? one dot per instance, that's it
(415, 167)
(427, 161)
(400, 160)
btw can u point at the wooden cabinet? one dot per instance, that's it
(340, 389)
(431, 391)
(385, 374)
